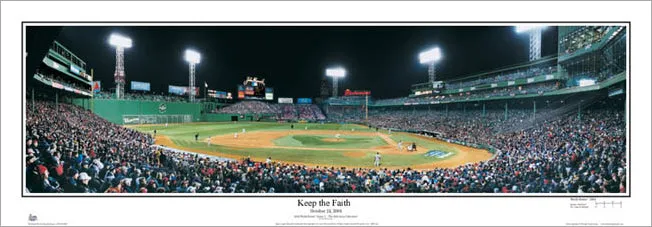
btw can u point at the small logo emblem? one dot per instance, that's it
(32, 217)
(162, 108)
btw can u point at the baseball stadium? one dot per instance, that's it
(544, 111)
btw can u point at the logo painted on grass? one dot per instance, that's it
(162, 108)
(437, 154)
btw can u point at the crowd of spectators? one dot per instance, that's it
(345, 113)
(73, 150)
(65, 81)
(309, 112)
(529, 89)
(250, 107)
(561, 154)
(69, 149)
(584, 38)
(316, 111)
(349, 100)
(503, 76)
(281, 111)
(287, 112)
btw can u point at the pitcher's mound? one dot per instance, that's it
(333, 140)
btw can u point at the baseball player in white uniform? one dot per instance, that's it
(235, 136)
(400, 145)
(208, 141)
(377, 159)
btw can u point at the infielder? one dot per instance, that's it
(337, 136)
(400, 145)
(243, 131)
(235, 136)
(377, 159)
(208, 143)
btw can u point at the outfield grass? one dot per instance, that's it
(182, 135)
(188, 131)
(326, 141)
(325, 157)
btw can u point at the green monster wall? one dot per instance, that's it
(113, 110)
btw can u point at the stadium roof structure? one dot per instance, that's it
(506, 68)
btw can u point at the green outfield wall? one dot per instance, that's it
(117, 110)
(217, 117)
(113, 110)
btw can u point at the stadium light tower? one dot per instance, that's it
(193, 58)
(120, 43)
(335, 73)
(535, 39)
(430, 57)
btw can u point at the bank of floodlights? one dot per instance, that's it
(120, 43)
(535, 39)
(335, 73)
(430, 57)
(193, 58)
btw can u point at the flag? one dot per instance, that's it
(205, 84)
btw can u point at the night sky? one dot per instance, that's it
(293, 59)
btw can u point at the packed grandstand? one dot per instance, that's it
(73, 150)
(550, 131)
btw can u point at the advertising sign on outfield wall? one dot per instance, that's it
(139, 86)
(178, 90)
(97, 86)
(304, 101)
(285, 100)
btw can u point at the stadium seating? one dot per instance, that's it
(250, 107)
(499, 77)
(285, 111)
(583, 38)
(73, 150)
(345, 113)
(538, 88)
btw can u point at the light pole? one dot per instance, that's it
(193, 58)
(535, 39)
(335, 73)
(120, 43)
(430, 57)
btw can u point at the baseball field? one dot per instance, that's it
(314, 144)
